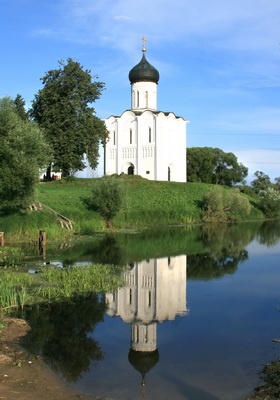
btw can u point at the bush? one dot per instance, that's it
(220, 205)
(107, 198)
(270, 202)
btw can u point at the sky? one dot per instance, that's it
(218, 60)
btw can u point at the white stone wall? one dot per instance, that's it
(144, 95)
(151, 142)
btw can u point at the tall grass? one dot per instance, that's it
(14, 289)
(52, 284)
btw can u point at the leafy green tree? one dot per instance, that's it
(63, 109)
(270, 202)
(20, 107)
(220, 205)
(261, 182)
(277, 183)
(23, 151)
(213, 165)
(200, 164)
(106, 198)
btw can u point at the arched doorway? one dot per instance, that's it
(130, 170)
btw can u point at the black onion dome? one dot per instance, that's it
(143, 72)
(142, 361)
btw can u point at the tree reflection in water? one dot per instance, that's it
(60, 333)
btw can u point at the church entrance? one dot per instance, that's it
(130, 170)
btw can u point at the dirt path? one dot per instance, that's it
(23, 376)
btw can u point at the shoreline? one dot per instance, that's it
(25, 376)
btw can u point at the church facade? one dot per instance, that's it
(143, 140)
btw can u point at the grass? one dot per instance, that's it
(145, 204)
(19, 289)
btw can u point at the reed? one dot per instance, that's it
(20, 289)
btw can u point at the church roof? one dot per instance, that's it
(143, 72)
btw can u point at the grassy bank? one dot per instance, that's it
(146, 204)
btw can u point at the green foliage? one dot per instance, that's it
(272, 372)
(145, 204)
(270, 202)
(18, 289)
(277, 183)
(23, 151)
(20, 107)
(106, 198)
(212, 165)
(70, 124)
(220, 205)
(262, 181)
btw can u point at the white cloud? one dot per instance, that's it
(267, 161)
(227, 24)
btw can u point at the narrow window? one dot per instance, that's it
(150, 135)
(114, 138)
(146, 334)
(150, 298)
(169, 174)
(137, 99)
(130, 136)
(146, 99)
(130, 296)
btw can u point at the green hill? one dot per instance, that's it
(146, 204)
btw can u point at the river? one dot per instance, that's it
(197, 317)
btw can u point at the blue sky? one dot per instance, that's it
(219, 62)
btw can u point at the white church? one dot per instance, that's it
(143, 140)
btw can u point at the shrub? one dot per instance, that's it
(106, 199)
(220, 205)
(270, 202)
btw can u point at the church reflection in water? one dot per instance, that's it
(155, 291)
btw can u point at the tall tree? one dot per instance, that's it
(261, 182)
(213, 165)
(70, 124)
(23, 151)
(20, 107)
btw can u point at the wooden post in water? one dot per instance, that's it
(42, 241)
(42, 238)
(2, 240)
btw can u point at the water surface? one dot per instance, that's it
(195, 320)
